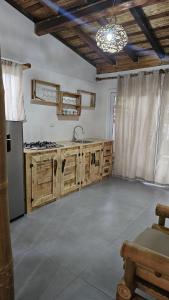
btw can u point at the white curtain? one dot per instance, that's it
(162, 159)
(137, 124)
(12, 79)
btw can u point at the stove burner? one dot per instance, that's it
(41, 145)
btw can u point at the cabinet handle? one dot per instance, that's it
(94, 156)
(55, 166)
(63, 165)
(8, 142)
(92, 160)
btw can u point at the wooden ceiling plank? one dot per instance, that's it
(74, 49)
(101, 69)
(147, 29)
(156, 30)
(92, 44)
(19, 8)
(84, 37)
(53, 24)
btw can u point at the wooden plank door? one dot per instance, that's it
(45, 178)
(96, 163)
(86, 165)
(70, 170)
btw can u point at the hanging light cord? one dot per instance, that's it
(113, 19)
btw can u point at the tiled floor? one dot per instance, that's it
(69, 250)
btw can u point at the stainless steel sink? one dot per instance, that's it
(83, 141)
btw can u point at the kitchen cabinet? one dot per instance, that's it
(43, 178)
(53, 173)
(70, 170)
(91, 169)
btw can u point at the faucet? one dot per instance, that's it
(75, 133)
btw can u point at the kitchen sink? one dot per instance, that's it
(83, 141)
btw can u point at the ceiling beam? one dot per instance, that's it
(143, 22)
(131, 53)
(92, 44)
(84, 36)
(53, 24)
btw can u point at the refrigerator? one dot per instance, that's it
(15, 169)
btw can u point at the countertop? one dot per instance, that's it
(67, 144)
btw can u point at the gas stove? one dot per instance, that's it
(41, 145)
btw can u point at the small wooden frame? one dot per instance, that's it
(88, 99)
(45, 93)
(69, 106)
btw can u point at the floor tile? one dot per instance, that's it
(70, 249)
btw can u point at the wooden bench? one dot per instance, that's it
(146, 262)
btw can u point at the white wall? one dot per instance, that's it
(51, 61)
(41, 121)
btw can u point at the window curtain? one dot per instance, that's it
(142, 127)
(162, 160)
(12, 80)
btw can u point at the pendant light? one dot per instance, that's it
(112, 37)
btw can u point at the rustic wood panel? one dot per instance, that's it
(160, 22)
(160, 7)
(89, 14)
(76, 166)
(142, 63)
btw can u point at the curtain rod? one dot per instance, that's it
(132, 74)
(24, 66)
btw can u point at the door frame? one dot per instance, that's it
(109, 123)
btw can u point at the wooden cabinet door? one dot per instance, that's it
(92, 160)
(70, 170)
(96, 163)
(45, 178)
(86, 165)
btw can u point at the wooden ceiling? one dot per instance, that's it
(75, 23)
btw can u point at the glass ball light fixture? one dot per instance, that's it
(111, 38)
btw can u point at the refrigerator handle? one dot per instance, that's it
(8, 143)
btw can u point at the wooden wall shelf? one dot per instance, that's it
(88, 99)
(68, 118)
(45, 93)
(69, 106)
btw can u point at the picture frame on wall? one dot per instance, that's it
(88, 99)
(45, 93)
